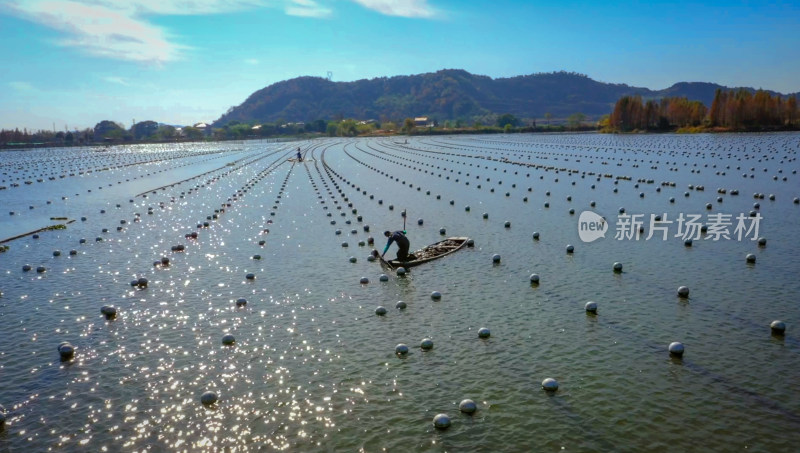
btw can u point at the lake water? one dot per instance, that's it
(314, 368)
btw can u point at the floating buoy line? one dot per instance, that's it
(336, 206)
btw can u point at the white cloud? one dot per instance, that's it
(176, 7)
(306, 8)
(117, 80)
(23, 87)
(402, 8)
(119, 29)
(101, 30)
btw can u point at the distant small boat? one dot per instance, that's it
(429, 253)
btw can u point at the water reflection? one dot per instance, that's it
(313, 367)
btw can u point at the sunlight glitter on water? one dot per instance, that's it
(313, 367)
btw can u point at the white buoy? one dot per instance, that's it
(401, 349)
(495, 258)
(483, 332)
(683, 292)
(400, 305)
(441, 421)
(778, 327)
(676, 349)
(401, 271)
(228, 339)
(208, 398)
(550, 385)
(109, 311)
(535, 279)
(591, 307)
(467, 406)
(426, 344)
(380, 311)
(750, 258)
(436, 295)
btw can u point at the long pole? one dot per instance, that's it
(405, 214)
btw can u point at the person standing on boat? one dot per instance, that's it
(403, 244)
(299, 156)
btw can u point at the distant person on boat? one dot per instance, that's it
(299, 156)
(403, 244)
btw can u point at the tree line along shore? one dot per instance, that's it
(731, 111)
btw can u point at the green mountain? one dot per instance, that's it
(445, 94)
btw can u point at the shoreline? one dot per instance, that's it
(422, 132)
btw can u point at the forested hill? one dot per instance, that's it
(445, 94)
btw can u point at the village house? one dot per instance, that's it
(424, 121)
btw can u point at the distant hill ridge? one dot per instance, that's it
(446, 94)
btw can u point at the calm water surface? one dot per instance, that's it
(314, 369)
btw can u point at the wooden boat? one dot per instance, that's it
(430, 253)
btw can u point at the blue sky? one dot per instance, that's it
(75, 63)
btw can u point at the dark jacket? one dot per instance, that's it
(401, 240)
